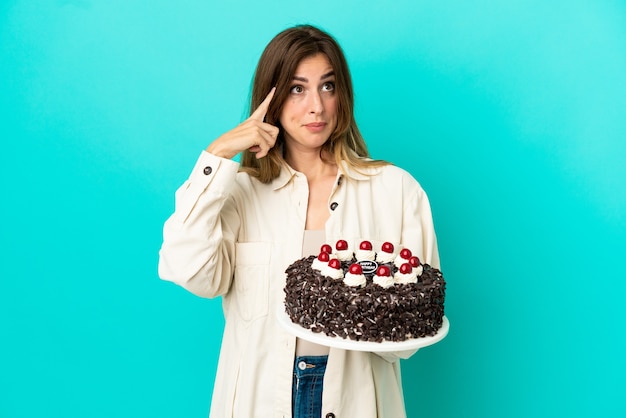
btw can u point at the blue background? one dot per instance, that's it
(510, 113)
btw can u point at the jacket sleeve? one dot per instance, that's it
(418, 234)
(418, 229)
(198, 250)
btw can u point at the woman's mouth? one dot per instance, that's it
(315, 126)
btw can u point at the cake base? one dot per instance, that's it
(370, 346)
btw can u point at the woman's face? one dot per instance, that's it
(309, 114)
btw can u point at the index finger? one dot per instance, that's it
(261, 111)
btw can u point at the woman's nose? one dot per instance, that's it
(315, 103)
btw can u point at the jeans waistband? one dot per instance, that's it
(310, 365)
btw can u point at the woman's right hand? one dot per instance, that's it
(253, 134)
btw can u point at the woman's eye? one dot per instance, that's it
(297, 89)
(330, 86)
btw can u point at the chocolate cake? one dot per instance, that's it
(365, 296)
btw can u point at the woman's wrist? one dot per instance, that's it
(219, 151)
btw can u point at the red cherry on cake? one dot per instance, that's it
(414, 261)
(366, 245)
(405, 253)
(342, 245)
(406, 268)
(387, 247)
(324, 256)
(383, 271)
(356, 269)
(334, 263)
(326, 249)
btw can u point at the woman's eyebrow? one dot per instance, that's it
(306, 80)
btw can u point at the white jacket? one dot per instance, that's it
(233, 236)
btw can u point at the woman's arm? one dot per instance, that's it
(198, 250)
(418, 234)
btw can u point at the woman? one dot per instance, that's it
(304, 179)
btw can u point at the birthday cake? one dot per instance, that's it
(364, 295)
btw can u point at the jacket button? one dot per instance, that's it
(208, 170)
(334, 205)
(330, 415)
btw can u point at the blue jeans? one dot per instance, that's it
(308, 379)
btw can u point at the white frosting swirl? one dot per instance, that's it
(344, 255)
(400, 261)
(332, 273)
(365, 255)
(383, 257)
(354, 279)
(384, 281)
(418, 270)
(406, 278)
(318, 265)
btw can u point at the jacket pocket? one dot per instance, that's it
(252, 279)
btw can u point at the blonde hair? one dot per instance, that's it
(276, 67)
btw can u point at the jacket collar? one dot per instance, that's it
(287, 173)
